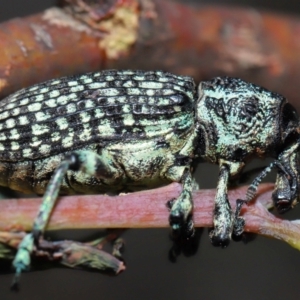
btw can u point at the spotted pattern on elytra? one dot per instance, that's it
(65, 114)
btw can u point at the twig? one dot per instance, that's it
(200, 41)
(146, 209)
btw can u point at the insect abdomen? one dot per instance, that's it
(65, 114)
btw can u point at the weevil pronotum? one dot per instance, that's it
(116, 131)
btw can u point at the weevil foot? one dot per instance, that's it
(219, 240)
(239, 222)
(238, 226)
(118, 248)
(22, 259)
(181, 226)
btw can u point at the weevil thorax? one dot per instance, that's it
(241, 119)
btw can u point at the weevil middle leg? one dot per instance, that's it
(181, 208)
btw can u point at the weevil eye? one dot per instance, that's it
(289, 122)
(289, 114)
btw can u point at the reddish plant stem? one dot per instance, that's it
(147, 209)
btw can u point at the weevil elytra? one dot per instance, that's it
(116, 131)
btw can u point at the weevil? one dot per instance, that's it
(114, 131)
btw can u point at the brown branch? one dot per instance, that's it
(145, 210)
(201, 41)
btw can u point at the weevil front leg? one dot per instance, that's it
(181, 208)
(285, 195)
(223, 216)
(85, 161)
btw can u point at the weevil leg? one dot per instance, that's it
(239, 222)
(223, 216)
(181, 208)
(285, 195)
(85, 161)
(286, 192)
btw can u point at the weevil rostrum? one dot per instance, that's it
(114, 131)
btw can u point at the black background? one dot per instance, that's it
(262, 269)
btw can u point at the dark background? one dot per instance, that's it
(262, 269)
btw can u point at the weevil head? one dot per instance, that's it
(242, 119)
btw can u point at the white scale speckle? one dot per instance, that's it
(33, 88)
(72, 96)
(55, 136)
(85, 117)
(27, 152)
(177, 108)
(77, 88)
(99, 113)
(10, 123)
(14, 134)
(126, 108)
(128, 120)
(97, 85)
(150, 92)
(129, 83)
(109, 78)
(39, 129)
(54, 93)
(40, 97)
(105, 130)
(45, 149)
(35, 143)
(54, 82)
(150, 85)
(68, 140)
(89, 103)
(71, 108)
(50, 103)
(86, 80)
(2, 147)
(139, 77)
(34, 107)
(152, 101)
(167, 92)
(44, 90)
(134, 91)
(163, 79)
(111, 101)
(127, 72)
(23, 120)
(15, 146)
(24, 101)
(11, 105)
(62, 100)
(62, 123)
(110, 92)
(145, 110)
(2, 137)
(72, 83)
(4, 115)
(85, 134)
(15, 111)
(40, 116)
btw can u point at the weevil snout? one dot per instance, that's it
(286, 192)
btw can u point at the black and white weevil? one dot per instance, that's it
(130, 130)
